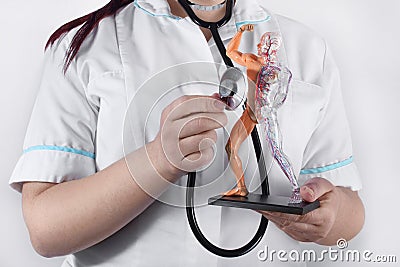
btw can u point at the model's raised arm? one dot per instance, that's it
(232, 49)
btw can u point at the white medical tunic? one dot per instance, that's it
(87, 119)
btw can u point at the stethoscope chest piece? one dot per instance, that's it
(232, 88)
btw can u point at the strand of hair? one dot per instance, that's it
(89, 23)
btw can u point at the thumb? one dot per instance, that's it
(314, 188)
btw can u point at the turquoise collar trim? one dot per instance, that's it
(249, 12)
(241, 23)
(154, 14)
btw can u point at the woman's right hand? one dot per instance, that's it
(187, 135)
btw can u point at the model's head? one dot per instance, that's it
(269, 45)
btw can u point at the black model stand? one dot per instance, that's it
(266, 203)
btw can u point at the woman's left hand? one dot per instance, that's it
(317, 224)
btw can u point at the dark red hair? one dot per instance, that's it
(89, 22)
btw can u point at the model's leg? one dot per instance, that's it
(239, 133)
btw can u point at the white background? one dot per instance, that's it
(365, 40)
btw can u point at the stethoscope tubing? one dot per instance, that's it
(191, 181)
(191, 216)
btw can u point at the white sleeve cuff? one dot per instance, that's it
(343, 173)
(53, 166)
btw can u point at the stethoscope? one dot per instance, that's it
(191, 216)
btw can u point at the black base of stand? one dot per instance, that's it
(262, 202)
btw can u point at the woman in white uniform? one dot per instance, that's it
(89, 174)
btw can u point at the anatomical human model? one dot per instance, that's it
(268, 88)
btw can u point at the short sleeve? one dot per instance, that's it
(328, 153)
(59, 142)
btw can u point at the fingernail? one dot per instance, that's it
(215, 95)
(219, 104)
(308, 191)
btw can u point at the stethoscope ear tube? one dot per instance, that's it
(212, 26)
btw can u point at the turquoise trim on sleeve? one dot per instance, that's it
(155, 15)
(327, 168)
(61, 148)
(241, 23)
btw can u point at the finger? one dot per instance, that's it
(197, 160)
(187, 105)
(216, 96)
(314, 217)
(300, 227)
(315, 188)
(299, 231)
(199, 123)
(283, 216)
(293, 234)
(191, 144)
